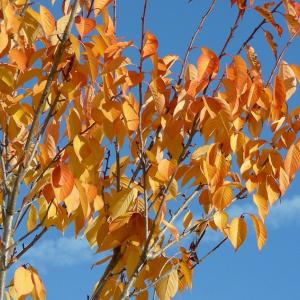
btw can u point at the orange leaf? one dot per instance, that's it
(130, 113)
(207, 65)
(237, 232)
(166, 169)
(292, 161)
(84, 26)
(47, 20)
(260, 231)
(272, 44)
(150, 46)
(62, 181)
(222, 197)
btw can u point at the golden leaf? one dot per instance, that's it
(150, 46)
(23, 282)
(47, 20)
(168, 286)
(260, 231)
(222, 197)
(237, 232)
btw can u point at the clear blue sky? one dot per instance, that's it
(272, 273)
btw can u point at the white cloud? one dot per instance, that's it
(60, 252)
(285, 213)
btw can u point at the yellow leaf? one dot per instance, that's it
(292, 161)
(122, 202)
(286, 73)
(47, 20)
(221, 220)
(260, 231)
(187, 219)
(262, 205)
(237, 232)
(222, 197)
(284, 181)
(99, 5)
(23, 282)
(168, 286)
(93, 63)
(130, 112)
(166, 169)
(173, 230)
(32, 218)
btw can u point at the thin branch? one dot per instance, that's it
(228, 40)
(213, 250)
(118, 175)
(32, 243)
(196, 33)
(280, 57)
(107, 274)
(115, 15)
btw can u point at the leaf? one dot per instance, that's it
(99, 5)
(47, 21)
(265, 13)
(222, 197)
(84, 26)
(284, 181)
(296, 70)
(168, 286)
(32, 218)
(241, 76)
(187, 219)
(23, 282)
(150, 46)
(93, 63)
(207, 65)
(221, 220)
(130, 112)
(62, 181)
(166, 169)
(292, 161)
(237, 232)
(173, 230)
(279, 93)
(122, 201)
(287, 75)
(260, 231)
(262, 205)
(272, 44)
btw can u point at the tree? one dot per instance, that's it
(91, 139)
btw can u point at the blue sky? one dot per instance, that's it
(273, 273)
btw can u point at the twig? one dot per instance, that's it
(198, 30)
(279, 59)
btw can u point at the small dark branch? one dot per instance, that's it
(105, 170)
(118, 167)
(196, 33)
(90, 9)
(115, 14)
(245, 43)
(252, 34)
(26, 248)
(213, 250)
(280, 57)
(223, 51)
